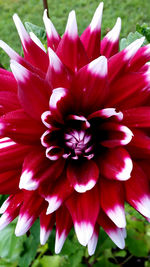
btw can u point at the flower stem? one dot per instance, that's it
(45, 5)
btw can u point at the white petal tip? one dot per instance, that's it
(97, 18)
(143, 206)
(83, 188)
(92, 244)
(37, 41)
(59, 242)
(118, 238)
(44, 235)
(125, 173)
(131, 50)
(23, 225)
(117, 215)
(99, 66)
(54, 204)
(4, 221)
(19, 71)
(26, 181)
(113, 35)
(71, 27)
(84, 231)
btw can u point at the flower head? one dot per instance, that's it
(74, 127)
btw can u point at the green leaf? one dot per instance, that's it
(144, 29)
(49, 261)
(37, 30)
(104, 262)
(124, 42)
(10, 245)
(30, 246)
(136, 243)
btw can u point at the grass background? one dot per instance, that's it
(131, 12)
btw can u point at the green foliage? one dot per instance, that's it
(37, 30)
(144, 29)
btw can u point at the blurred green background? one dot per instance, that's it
(26, 251)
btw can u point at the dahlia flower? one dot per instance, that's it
(75, 132)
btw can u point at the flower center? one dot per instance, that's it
(79, 143)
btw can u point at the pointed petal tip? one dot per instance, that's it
(118, 238)
(113, 35)
(143, 206)
(131, 49)
(97, 18)
(18, 70)
(44, 235)
(117, 215)
(99, 66)
(37, 41)
(54, 204)
(92, 244)
(23, 225)
(4, 221)
(55, 62)
(71, 27)
(84, 231)
(59, 242)
(4, 206)
(26, 181)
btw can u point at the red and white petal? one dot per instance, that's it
(11, 209)
(90, 86)
(123, 58)
(116, 234)
(117, 135)
(70, 49)
(33, 92)
(36, 169)
(112, 201)
(21, 128)
(91, 36)
(16, 57)
(11, 154)
(32, 52)
(32, 207)
(37, 41)
(84, 209)
(56, 194)
(137, 117)
(54, 152)
(46, 226)
(60, 102)
(106, 113)
(83, 176)
(53, 37)
(141, 57)
(57, 74)
(137, 191)
(93, 241)
(110, 43)
(116, 164)
(63, 227)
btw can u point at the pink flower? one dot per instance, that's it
(75, 132)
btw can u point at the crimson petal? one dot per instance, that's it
(84, 209)
(83, 176)
(91, 36)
